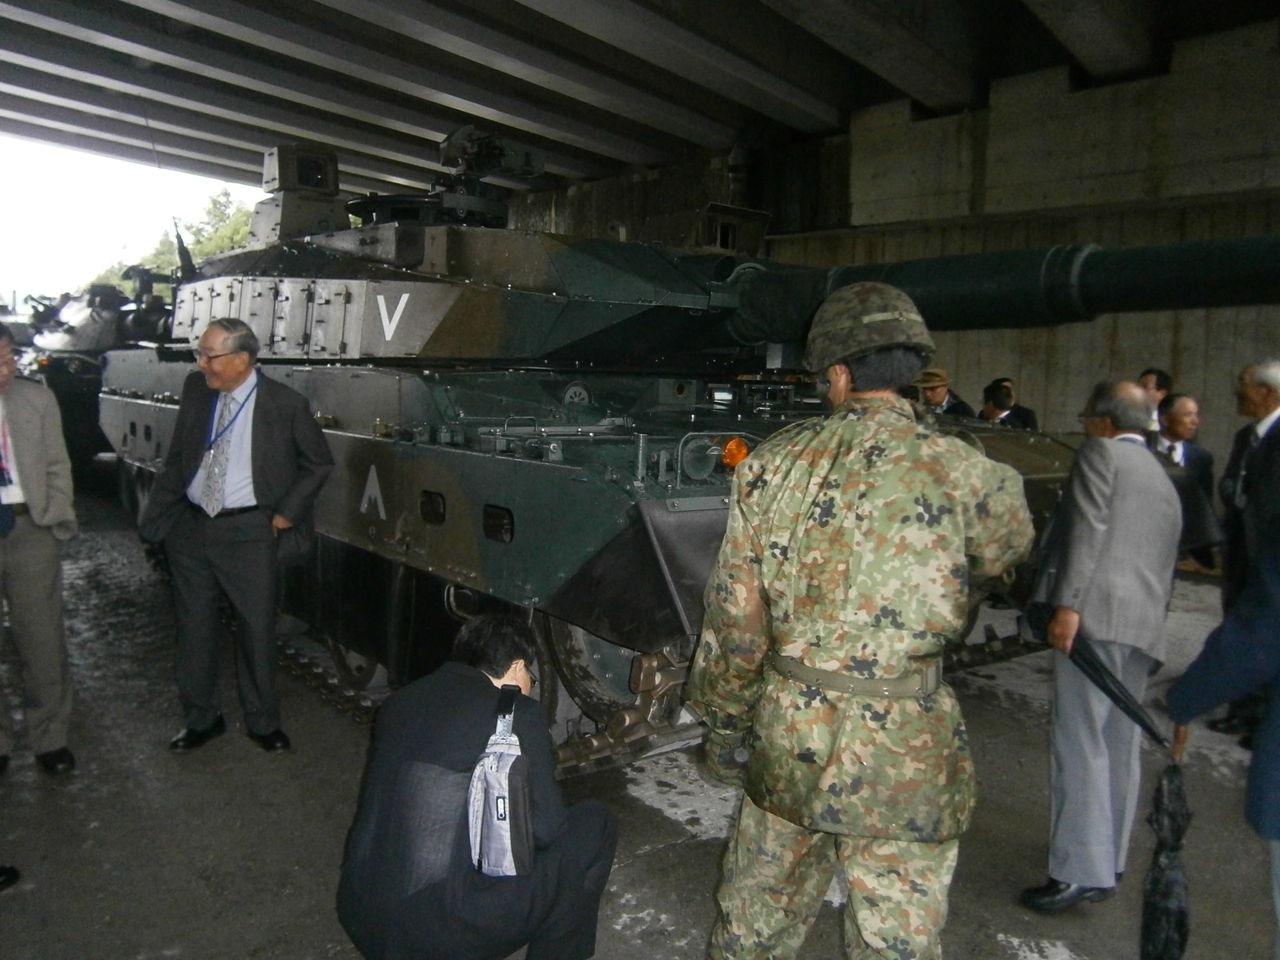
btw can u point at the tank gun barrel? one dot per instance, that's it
(1023, 288)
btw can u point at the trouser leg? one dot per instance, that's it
(32, 580)
(1093, 771)
(774, 877)
(196, 597)
(246, 570)
(1133, 667)
(897, 902)
(585, 857)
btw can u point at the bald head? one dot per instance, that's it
(1117, 406)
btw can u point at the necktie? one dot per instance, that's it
(215, 472)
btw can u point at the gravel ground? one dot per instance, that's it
(231, 853)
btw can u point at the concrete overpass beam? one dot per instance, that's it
(1109, 38)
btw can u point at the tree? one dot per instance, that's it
(225, 226)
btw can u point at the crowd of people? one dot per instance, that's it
(855, 542)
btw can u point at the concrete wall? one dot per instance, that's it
(1211, 126)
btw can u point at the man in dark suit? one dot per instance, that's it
(1106, 574)
(1241, 658)
(997, 403)
(1251, 515)
(937, 396)
(410, 887)
(245, 463)
(36, 514)
(1251, 511)
(1179, 419)
(1024, 418)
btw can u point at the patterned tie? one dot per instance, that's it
(215, 472)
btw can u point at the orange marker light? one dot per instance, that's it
(735, 451)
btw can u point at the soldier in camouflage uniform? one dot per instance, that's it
(852, 547)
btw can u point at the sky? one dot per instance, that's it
(70, 214)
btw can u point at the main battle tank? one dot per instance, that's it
(534, 422)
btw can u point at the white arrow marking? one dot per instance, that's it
(389, 324)
(373, 492)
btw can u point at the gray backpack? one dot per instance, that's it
(498, 801)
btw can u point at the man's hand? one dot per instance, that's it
(279, 523)
(1063, 628)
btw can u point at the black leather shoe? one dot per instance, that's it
(272, 742)
(57, 762)
(8, 877)
(1056, 896)
(190, 739)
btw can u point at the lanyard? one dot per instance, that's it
(213, 418)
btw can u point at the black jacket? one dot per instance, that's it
(291, 458)
(1252, 533)
(408, 886)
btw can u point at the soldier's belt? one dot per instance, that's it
(917, 683)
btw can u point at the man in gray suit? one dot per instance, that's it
(36, 513)
(1106, 575)
(245, 464)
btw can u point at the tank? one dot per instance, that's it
(538, 423)
(68, 338)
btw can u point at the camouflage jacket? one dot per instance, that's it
(851, 546)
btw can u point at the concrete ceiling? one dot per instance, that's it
(594, 86)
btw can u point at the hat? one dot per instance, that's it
(933, 377)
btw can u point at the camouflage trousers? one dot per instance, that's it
(776, 875)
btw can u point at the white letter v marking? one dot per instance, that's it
(389, 323)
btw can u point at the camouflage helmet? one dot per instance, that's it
(862, 318)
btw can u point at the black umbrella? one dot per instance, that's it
(1086, 658)
(1164, 891)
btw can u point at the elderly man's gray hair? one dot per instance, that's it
(240, 336)
(1266, 373)
(1126, 408)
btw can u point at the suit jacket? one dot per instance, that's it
(1250, 546)
(1111, 546)
(44, 469)
(1193, 479)
(291, 458)
(408, 886)
(956, 407)
(1024, 418)
(1198, 462)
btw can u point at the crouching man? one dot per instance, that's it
(409, 888)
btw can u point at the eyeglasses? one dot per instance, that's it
(206, 356)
